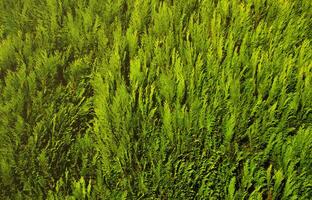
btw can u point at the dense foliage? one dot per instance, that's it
(155, 99)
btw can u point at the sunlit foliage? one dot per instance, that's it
(155, 99)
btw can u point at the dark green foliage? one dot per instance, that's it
(192, 99)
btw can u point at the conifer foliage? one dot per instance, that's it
(155, 99)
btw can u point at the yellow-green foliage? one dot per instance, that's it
(155, 99)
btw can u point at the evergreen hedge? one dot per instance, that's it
(155, 99)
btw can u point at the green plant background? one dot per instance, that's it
(155, 99)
